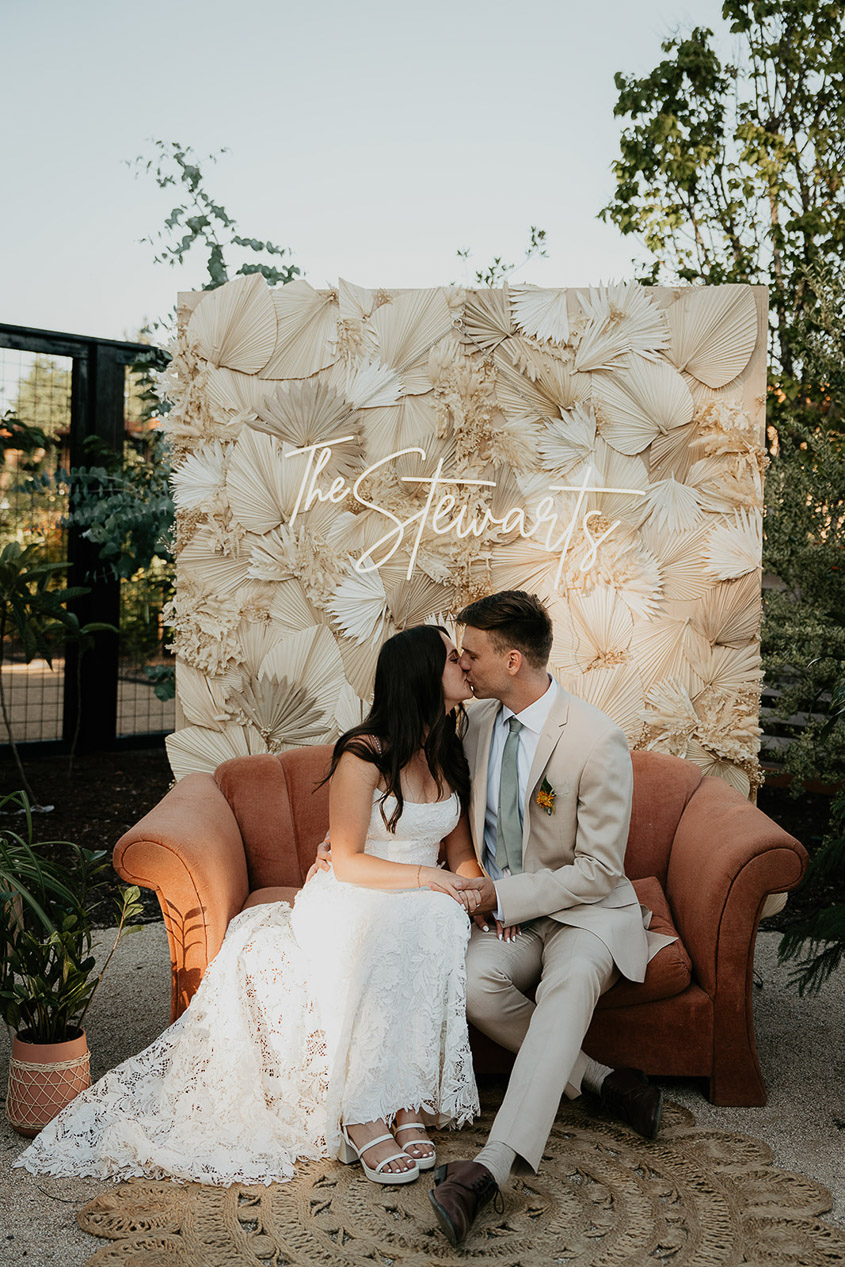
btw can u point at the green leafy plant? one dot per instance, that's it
(497, 271)
(48, 974)
(200, 221)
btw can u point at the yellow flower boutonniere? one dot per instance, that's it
(546, 797)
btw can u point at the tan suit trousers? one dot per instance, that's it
(570, 968)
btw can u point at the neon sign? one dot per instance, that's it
(444, 514)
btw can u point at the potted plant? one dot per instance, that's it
(48, 975)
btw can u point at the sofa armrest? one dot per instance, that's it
(726, 856)
(189, 850)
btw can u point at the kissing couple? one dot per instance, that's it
(338, 1026)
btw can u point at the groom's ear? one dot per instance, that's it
(515, 661)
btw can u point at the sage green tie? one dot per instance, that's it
(508, 822)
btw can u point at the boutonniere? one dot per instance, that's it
(546, 797)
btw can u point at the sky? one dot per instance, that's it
(372, 139)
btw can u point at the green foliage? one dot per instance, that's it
(47, 977)
(42, 402)
(125, 508)
(497, 271)
(733, 172)
(163, 679)
(200, 221)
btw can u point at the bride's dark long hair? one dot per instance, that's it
(407, 715)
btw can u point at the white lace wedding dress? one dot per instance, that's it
(345, 1007)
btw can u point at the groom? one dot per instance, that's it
(549, 812)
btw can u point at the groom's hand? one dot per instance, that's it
(488, 901)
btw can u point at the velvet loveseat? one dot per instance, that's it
(700, 856)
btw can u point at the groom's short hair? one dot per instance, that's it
(513, 618)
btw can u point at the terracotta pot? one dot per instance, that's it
(43, 1078)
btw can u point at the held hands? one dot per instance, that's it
(475, 893)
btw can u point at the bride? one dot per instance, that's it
(336, 1026)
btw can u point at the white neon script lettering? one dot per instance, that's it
(436, 511)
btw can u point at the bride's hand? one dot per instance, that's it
(323, 861)
(458, 887)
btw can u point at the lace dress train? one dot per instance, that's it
(345, 1007)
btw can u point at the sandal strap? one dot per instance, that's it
(371, 1143)
(406, 1126)
(396, 1157)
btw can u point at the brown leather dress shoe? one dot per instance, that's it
(461, 1189)
(628, 1094)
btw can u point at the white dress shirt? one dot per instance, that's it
(533, 719)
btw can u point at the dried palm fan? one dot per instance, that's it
(201, 697)
(661, 649)
(671, 454)
(612, 470)
(636, 576)
(736, 548)
(359, 607)
(197, 481)
(290, 609)
(365, 384)
(725, 669)
(295, 552)
(311, 659)
(257, 637)
(617, 691)
(411, 601)
(542, 398)
(411, 421)
(355, 303)
(306, 322)
(727, 483)
(235, 393)
(310, 412)
(405, 331)
(620, 319)
(603, 627)
(486, 319)
(670, 716)
(261, 484)
(541, 312)
(568, 441)
(672, 507)
(717, 767)
(525, 565)
(411, 468)
(359, 663)
(282, 713)
(195, 748)
(350, 710)
(729, 614)
(235, 325)
(642, 400)
(211, 571)
(714, 330)
(682, 559)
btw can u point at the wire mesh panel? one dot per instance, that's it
(35, 416)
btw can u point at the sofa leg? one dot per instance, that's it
(737, 1081)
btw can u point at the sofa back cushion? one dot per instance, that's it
(281, 812)
(662, 787)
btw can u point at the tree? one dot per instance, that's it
(734, 173)
(43, 398)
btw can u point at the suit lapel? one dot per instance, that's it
(549, 738)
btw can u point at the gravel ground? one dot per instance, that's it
(801, 1050)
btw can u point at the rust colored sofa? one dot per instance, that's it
(700, 856)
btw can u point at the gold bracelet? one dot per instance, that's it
(419, 869)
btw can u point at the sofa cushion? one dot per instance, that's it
(670, 971)
(278, 893)
(663, 786)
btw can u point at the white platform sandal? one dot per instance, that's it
(424, 1163)
(349, 1153)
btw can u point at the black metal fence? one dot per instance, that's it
(59, 393)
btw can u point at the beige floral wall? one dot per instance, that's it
(349, 462)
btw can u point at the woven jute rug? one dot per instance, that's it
(694, 1197)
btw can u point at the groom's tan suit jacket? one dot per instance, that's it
(573, 858)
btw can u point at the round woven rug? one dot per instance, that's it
(694, 1197)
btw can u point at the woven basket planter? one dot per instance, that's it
(43, 1078)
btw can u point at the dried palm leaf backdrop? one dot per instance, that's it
(350, 461)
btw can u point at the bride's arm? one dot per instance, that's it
(460, 855)
(350, 805)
